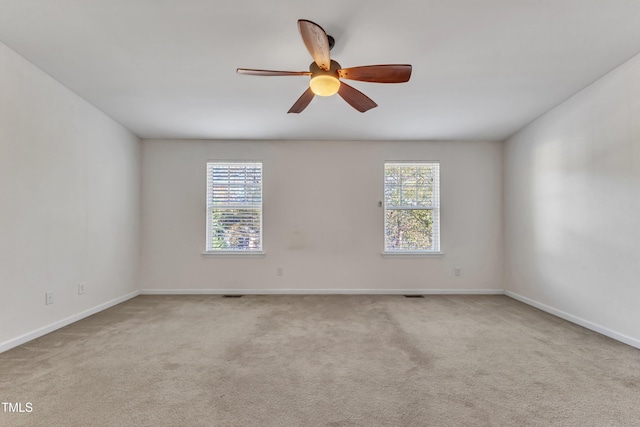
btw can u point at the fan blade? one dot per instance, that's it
(302, 102)
(388, 73)
(316, 41)
(252, 72)
(355, 98)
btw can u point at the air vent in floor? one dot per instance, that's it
(414, 296)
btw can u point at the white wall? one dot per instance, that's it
(322, 223)
(572, 207)
(70, 194)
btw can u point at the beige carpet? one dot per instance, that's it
(322, 361)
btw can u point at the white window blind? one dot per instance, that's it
(234, 206)
(412, 207)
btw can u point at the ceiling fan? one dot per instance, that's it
(326, 73)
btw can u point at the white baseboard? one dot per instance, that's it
(322, 292)
(577, 320)
(7, 345)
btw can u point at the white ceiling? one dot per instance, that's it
(482, 69)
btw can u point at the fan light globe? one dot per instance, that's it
(324, 85)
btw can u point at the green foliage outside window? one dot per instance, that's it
(410, 198)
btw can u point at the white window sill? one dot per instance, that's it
(239, 254)
(412, 254)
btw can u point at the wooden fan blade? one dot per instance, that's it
(316, 41)
(252, 72)
(302, 102)
(388, 73)
(355, 98)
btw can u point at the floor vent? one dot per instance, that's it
(414, 296)
(232, 296)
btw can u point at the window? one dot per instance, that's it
(234, 206)
(412, 207)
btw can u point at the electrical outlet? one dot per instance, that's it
(279, 272)
(80, 288)
(48, 298)
(457, 271)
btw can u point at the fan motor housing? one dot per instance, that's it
(332, 71)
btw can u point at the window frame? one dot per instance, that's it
(435, 208)
(209, 208)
